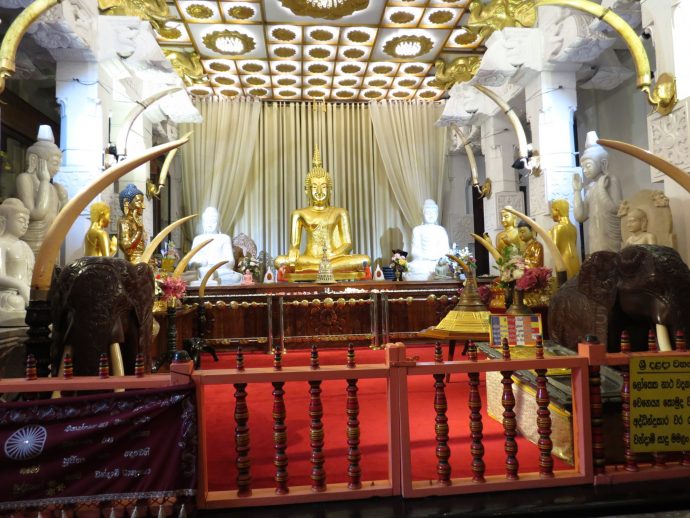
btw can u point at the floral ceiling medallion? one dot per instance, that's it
(230, 43)
(241, 12)
(325, 9)
(408, 46)
(200, 12)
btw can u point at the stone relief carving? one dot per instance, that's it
(69, 25)
(608, 73)
(472, 134)
(669, 136)
(572, 40)
(509, 52)
(514, 199)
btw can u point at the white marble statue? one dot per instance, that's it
(16, 262)
(601, 199)
(220, 249)
(42, 197)
(636, 224)
(646, 218)
(429, 244)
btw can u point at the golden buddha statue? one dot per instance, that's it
(509, 235)
(132, 236)
(326, 228)
(533, 253)
(564, 234)
(96, 242)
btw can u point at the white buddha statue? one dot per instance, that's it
(16, 262)
(429, 244)
(220, 249)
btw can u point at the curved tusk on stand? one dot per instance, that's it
(15, 33)
(470, 155)
(512, 117)
(168, 162)
(156, 241)
(673, 172)
(202, 286)
(662, 100)
(462, 264)
(487, 244)
(188, 256)
(139, 108)
(662, 338)
(560, 262)
(47, 254)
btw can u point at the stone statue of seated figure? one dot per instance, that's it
(220, 249)
(429, 244)
(16, 262)
(636, 223)
(325, 227)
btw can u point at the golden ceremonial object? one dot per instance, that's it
(561, 270)
(673, 172)
(484, 190)
(209, 274)
(10, 43)
(47, 254)
(137, 110)
(156, 241)
(325, 275)
(154, 190)
(187, 257)
(663, 97)
(486, 243)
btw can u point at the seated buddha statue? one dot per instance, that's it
(429, 244)
(509, 234)
(16, 262)
(132, 237)
(220, 249)
(325, 227)
(564, 234)
(636, 223)
(533, 252)
(96, 240)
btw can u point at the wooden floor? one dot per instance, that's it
(665, 499)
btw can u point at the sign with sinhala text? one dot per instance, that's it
(660, 403)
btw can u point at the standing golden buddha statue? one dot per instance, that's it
(96, 242)
(327, 228)
(564, 234)
(131, 234)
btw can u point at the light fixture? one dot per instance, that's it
(408, 48)
(325, 9)
(326, 4)
(230, 45)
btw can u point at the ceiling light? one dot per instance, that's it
(408, 48)
(230, 45)
(326, 4)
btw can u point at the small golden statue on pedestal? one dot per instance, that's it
(327, 228)
(325, 275)
(132, 236)
(96, 241)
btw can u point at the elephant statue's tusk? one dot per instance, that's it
(662, 338)
(487, 244)
(47, 254)
(153, 190)
(156, 241)
(675, 173)
(185, 260)
(483, 190)
(462, 264)
(664, 96)
(15, 33)
(560, 262)
(202, 286)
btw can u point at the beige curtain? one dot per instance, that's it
(286, 137)
(217, 160)
(413, 151)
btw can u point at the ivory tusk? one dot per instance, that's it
(487, 244)
(512, 117)
(47, 254)
(560, 262)
(662, 338)
(673, 172)
(462, 264)
(168, 162)
(153, 245)
(202, 286)
(185, 260)
(470, 154)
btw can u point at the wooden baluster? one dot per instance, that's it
(625, 341)
(318, 474)
(314, 357)
(441, 429)
(681, 346)
(659, 458)
(651, 342)
(354, 471)
(509, 421)
(31, 367)
(438, 353)
(280, 459)
(597, 412)
(242, 460)
(630, 457)
(103, 366)
(277, 358)
(351, 356)
(539, 348)
(239, 360)
(476, 427)
(139, 367)
(544, 426)
(68, 369)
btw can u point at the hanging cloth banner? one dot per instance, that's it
(103, 447)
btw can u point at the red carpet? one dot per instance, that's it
(219, 405)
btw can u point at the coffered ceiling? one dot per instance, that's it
(336, 50)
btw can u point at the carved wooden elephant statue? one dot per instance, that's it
(97, 301)
(632, 290)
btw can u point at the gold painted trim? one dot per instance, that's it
(199, 11)
(47, 254)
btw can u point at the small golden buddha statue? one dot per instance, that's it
(533, 253)
(96, 240)
(131, 234)
(326, 228)
(564, 234)
(509, 234)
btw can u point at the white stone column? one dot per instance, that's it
(551, 100)
(667, 21)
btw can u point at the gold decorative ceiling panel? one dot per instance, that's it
(336, 50)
